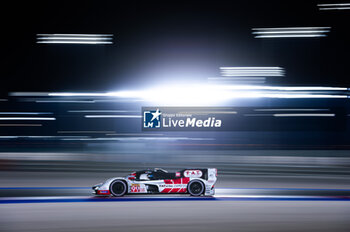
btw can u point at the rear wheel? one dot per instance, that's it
(195, 188)
(118, 188)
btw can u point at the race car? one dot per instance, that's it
(195, 182)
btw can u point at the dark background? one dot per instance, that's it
(158, 42)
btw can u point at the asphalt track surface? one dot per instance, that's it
(37, 202)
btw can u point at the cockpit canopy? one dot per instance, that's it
(149, 174)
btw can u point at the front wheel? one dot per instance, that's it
(195, 188)
(118, 188)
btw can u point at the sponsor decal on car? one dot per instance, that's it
(136, 188)
(178, 174)
(193, 173)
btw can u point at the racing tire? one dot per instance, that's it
(195, 188)
(118, 188)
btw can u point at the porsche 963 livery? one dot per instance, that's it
(195, 182)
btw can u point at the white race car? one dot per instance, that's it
(196, 182)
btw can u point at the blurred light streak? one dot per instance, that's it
(290, 28)
(200, 94)
(26, 113)
(286, 88)
(113, 116)
(334, 6)
(303, 115)
(102, 111)
(133, 134)
(3, 99)
(138, 138)
(62, 101)
(289, 36)
(74, 38)
(26, 94)
(299, 96)
(73, 42)
(20, 125)
(39, 136)
(291, 109)
(290, 32)
(237, 78)
(81, 35)
(139, 93)
(251, 71)
(208, 112)
(257, 115)
(25, 118)
(94, 132)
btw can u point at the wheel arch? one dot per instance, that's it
(119, 179)
(198, 180)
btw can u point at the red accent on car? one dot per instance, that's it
(131, 178)
(133, 174)
(103, 192)
(174, 190)
(166, 190)
(177, 181)
(185, 180)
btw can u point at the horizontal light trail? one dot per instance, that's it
(290, 32)
(334, 6)
(79, 132)
(291, 109)
(238, 78)
(73, 42)
(196, 94)
(133, 93)
(290, 115)
(77, 35)
(290, 36)
(260, 95)
(249, 74)
(251, 68)
(284, 88)
(26, 113)
(303, 115)
(290, 28)
(258, 115)
(137, 138)
(62, 101)
(26, 118)
(208, 112)
(134, 134)
(251, 71)
(40, 137)
(20, 125)
(74, 39)
(102, 111)
(113, 116)
(77, 94)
